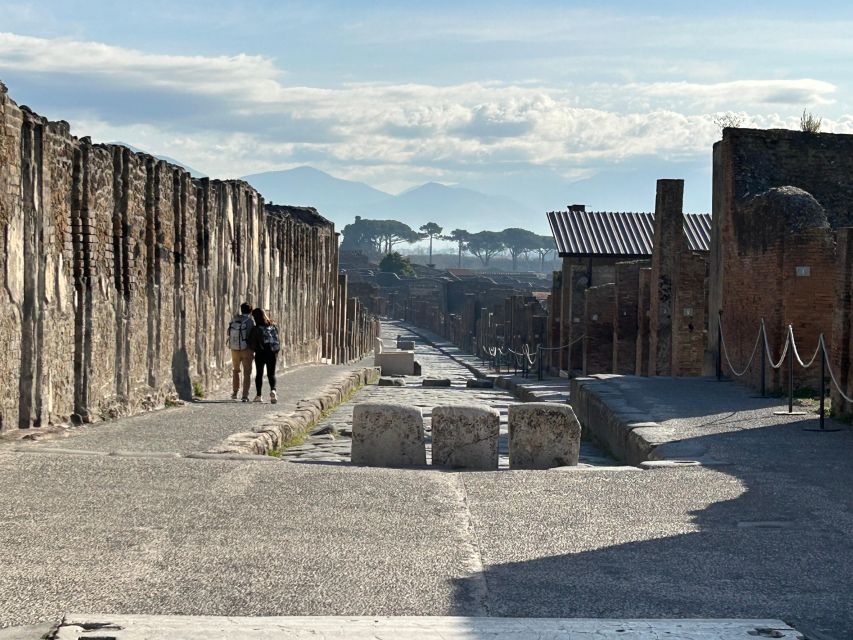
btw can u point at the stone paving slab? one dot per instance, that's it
(405, 628)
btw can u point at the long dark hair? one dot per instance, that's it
(261, 318)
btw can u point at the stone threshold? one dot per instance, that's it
(277, 428)
(139, 627)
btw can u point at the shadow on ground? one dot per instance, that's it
(769, 537)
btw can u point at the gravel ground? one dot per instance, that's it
(766, 534)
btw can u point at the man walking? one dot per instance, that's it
(241, 354)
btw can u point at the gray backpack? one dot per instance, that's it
(238, 332)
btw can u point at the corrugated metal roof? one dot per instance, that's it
(626, 234)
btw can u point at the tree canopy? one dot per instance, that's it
(377, 236)
(396, 263)
(519, 242)
(485, 244)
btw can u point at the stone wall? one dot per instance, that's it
(121, 271)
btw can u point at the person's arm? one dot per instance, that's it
(252, 339)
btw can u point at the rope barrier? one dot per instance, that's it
(767, 347)
(797, 354)
(751, 357)
(822, 344)
(790, 342)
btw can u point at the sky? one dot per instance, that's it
(495, 95)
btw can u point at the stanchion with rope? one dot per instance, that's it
(824, 365)
(790, 351)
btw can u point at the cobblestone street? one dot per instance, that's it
(332, 441)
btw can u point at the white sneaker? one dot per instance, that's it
(258, 399)
(273, 397)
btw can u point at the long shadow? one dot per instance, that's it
(768, 535)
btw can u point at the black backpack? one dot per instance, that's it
(269, 337)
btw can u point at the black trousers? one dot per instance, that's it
(264, 358)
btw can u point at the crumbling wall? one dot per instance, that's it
(749, 163)
(121, 271)
(775, 254)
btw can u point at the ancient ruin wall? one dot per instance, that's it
(750, 162)
(120, 273)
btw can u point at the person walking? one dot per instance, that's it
(239, 329)
(264, 340)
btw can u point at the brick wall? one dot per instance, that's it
(599, 314)
(643, 310)
(689, 329)
(122, 271)
(625, 328)
(749, 163)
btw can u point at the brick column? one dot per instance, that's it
(668, 245)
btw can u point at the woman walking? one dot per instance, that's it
(264, 341)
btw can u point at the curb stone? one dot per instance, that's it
(277, 428)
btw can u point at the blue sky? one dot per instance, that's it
(525, 98)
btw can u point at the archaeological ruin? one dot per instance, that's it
(120, 273)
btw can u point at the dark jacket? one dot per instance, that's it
(255, 339)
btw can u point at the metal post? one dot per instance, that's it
(822, 385)
(763, 368)
(538, 362)
(720, 347)
(791, 380)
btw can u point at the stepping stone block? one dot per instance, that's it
(465, 437)
(387, 435)
(392, 382)
(543, 435)
(405, 345)
(480, 383)
(436, 382)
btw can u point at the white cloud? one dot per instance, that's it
(238, 116)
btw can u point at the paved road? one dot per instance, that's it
(766, 536)
(325, 448)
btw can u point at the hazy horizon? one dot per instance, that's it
(545, 103)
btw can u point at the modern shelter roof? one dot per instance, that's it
(623, 234)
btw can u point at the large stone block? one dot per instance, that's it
(387, 435)
(543, 435)
(465, 437)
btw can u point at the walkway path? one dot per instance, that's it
(765, 536)
(197, 426)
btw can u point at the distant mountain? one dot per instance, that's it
(333, 197)
(193, 172)
(342, 200)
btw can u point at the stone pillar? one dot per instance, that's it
(643, 312)
(668, 246)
